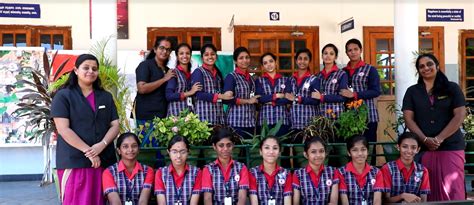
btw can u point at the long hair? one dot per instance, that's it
(72, 80)
(152, 53)
(441, 83)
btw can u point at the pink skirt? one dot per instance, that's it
(81, 186)
(446, 171)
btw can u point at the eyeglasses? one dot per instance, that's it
(162, 48)
(428, 64)
(181, 152)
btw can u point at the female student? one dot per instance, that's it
(270, 184)
(271, 87)
(298, 91)
(316, 183)
(179, 91)
(224, 181)
(359, 183)
(332, 81)
(128, 181)
(208, 104)
(178, 183)
(87, 123)
(240, 85)
(406, 180)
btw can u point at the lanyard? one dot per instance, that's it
(178, 191)
(128, 188)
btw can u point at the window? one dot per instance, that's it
(283, 41)
(195, 37)
(379, 51)
(50, 37)
(467, 65)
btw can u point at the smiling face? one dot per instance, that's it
(358, 153)
(316, 154)
(184, 55)
(87, 72)
(269, 64)
(270, 151)
(243, 60)
(353, 52)
(163, 50)
(209, 57)
(178, 154)
(329, 55)
(427, 68)
(408, 149)
(128, 150)
(303, 61)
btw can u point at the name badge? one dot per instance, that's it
(364, 202)
(306, 86)
(228, 200)
(178, 203)
(101, 107)
(334, 81)
(271, 202)
(189, 101)
(128, 203)
(361, 74)
(237, 178)
(252, 94)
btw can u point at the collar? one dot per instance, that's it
(277, 169)
(358, 65)
(186, 73)
(309, 169)
(231, 162)
(402, 167)
(272, 80)
(136, 169)
(350, 167)
(307, 74)
(246, 73)
(213, 71)
(333, 69)
(171, 168)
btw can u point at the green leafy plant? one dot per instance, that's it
(320, 126)
(187, 124)
(264, 133)
(353, 121)
(398, 126)
(468, 124)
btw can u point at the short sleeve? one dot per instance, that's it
(288, 189)
(197, 183)
(458, 96)
(387, 178)
(425, 182)
(150, 176)
(244, 178)
(159, 185)
(206, 181)
(342, 182)
(252, 184)
(408, 100)
(60, 104)
(379, 185)
(296, 181)
(142, 72)
(108, 182)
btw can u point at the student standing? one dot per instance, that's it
(87, 122)
(240, 85)
(179, 91)
(224, 181)
(208, 104)
(271, 88)
(178, 183)
(406, 180)
(270, 184)
(316, 183)
(128, 181)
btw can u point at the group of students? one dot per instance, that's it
(205, 90)
(226, 181)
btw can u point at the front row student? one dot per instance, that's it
(128, 181)
(360, 183)
(315, 184)
(405, 180)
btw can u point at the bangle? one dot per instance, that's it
(425, 139)
(104, 142)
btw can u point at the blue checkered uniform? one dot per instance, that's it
(398, 183)
(330, 86)
(263, 191)
(312, 194)
(211, 112)
(354, 193)
(273, 113)
(219, 185)
(301, 114)
(183, 85)
(241, 115)
(186, 188)
(360, 83)
(135, 185)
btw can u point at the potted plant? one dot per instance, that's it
(468, 127)
(397, 128)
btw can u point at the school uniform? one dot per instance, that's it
(129, 186)
(175, 187)
(315, 189)
(330, 84)
(207, 106)
(360, 188)
(398, 179)
(273, 109)
(274, 187)
(364, 81)
(242, 85)
(175, 89)
(224, 182)
(303, 108)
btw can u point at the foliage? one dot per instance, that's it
(264, 133)
(398, 126)
(319, 126)
(353, 121)
(468, 124)
(187, 124)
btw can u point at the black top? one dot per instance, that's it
(153, 104)
(90, 126)
(432, 119)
